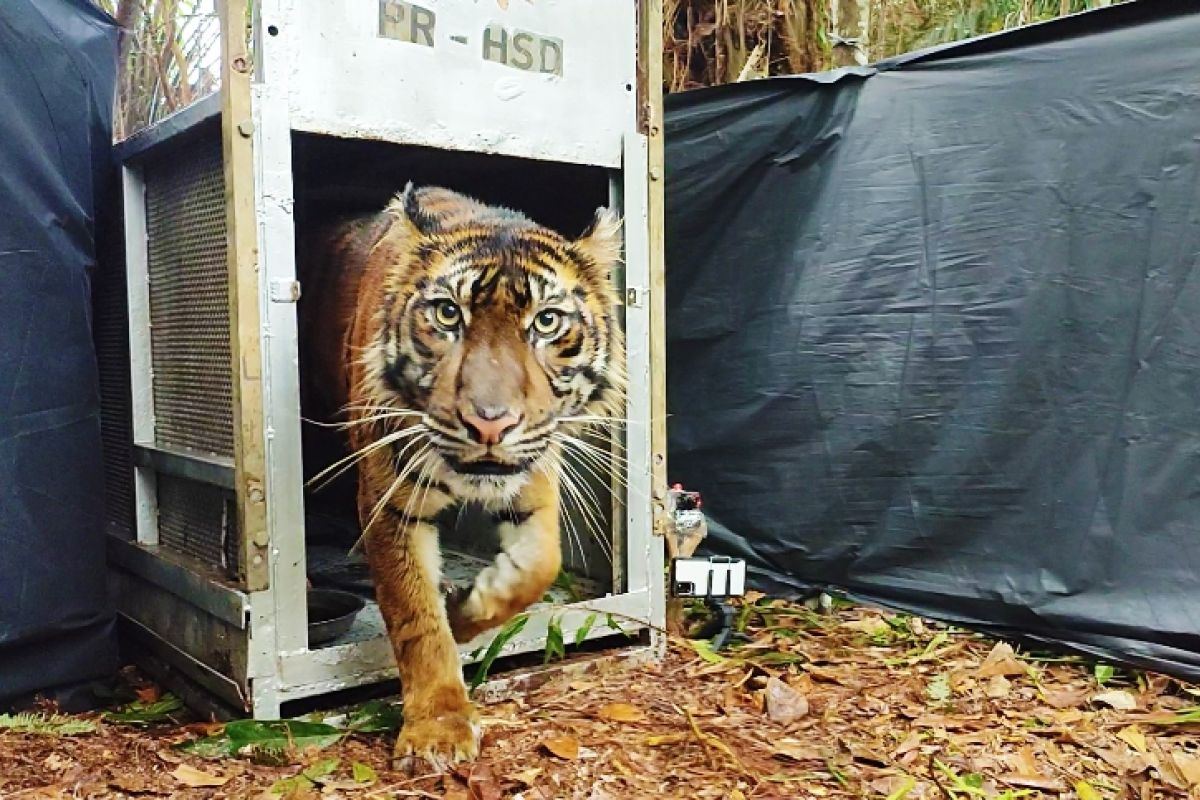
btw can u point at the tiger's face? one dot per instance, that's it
(498, 331)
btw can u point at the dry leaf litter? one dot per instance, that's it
(855, 703)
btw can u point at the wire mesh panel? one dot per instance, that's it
(189, 300)
(198, 520)
(110, 328)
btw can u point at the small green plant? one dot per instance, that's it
(902, 791)
(611, 622)
(503, 637)
(1103, 673)
(375, 716)
(362, 773)
(265, 741)
(971, 785)
(555, 646)
(142, 713)
(46, 724)
(938, 689)
(309, 778)
(581, 633)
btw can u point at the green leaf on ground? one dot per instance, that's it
(555, 647)
(376, 716)
(503, 637)
(582, 632)
(272, 739)
(139, 713)
(363, 774)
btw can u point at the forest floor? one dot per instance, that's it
(854, 703)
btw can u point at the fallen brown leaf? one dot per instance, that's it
(148, 694)
(527, 776)
(1133, 736)
(997, 687)
(911, 742)
(621, 712)
(565, 747)
(482, 783)
(195, 778)
(1119, 699)
(169, 757)
(798, 750)
(1001, 661)
(57, 762)
(1188, 766)
(135, 783)
(1065, 698)
(871, 626)
(658, 740)
(1033, 782)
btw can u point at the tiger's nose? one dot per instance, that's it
(490, 425)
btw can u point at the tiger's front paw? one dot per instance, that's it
(437, 743)
(464, 614)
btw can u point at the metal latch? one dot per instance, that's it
(635, 296)
(285, 291)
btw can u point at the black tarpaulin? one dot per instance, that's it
(57, 73)
(934, 330)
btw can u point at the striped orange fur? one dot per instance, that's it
(462, 340)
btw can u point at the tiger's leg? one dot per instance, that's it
(441, 725)
(526, 566)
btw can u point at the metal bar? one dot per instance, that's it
(145, 493)
(265, 700)
(141, 379)
(522, 681)
(212, 470)
(174, 129)
(618, 434)
(329, 669)
(641, 573)
(137, 283)
(244, 297)
(274, 196)
(155, 566)
(650, 81)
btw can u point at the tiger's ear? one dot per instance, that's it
(601, 242)
(409, 204)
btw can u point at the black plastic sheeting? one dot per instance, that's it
(934, 331)
(57, 75)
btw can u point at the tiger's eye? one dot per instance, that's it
(546, 322)
(447, 314)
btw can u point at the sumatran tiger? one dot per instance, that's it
(467, 345)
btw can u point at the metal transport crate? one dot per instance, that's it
(553, 108)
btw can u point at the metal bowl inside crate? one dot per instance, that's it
(330, 614)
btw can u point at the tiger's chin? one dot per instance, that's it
(487, 482)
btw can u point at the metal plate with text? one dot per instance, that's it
(550, 80)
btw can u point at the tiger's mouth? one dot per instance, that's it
(489, 466)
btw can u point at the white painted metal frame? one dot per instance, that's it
(137, 285)
(294, 91)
